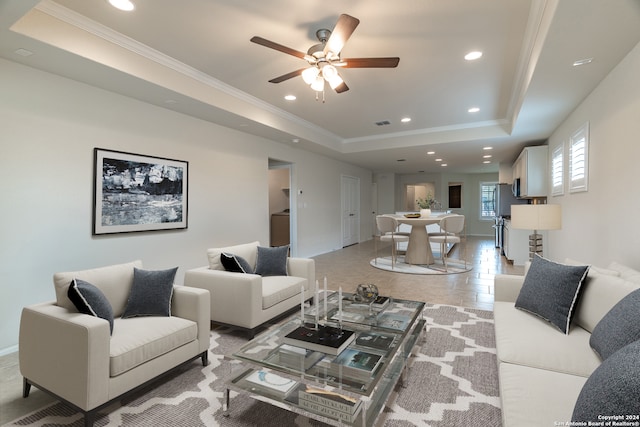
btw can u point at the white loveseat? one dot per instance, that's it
(542, 370)
(75, 356)
(247, 301)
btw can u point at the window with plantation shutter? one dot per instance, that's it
(557, 171)
(579, 159)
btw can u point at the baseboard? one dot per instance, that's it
(9, 350)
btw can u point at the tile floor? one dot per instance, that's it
(346, 268)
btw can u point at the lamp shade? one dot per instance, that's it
(536, 217)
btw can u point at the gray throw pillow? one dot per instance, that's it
(550, 291)
(90, 300)
(272, 261)
(235, 263)
(612, 389)
(619, 327)
(151, 293)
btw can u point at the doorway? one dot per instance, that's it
(281, 217)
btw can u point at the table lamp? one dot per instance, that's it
(536, 217)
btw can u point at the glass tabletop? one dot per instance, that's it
(380, 334)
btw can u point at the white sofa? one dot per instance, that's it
(75, 356)
(247, 301)
(541, 370)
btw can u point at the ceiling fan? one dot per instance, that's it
(324, 58)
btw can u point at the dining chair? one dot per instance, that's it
(453, 227)
(388, 228)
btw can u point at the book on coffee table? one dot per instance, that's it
(325, 339)
(298, 357)
(375, 340)
(330, 399)
(267, 381)
(354, 363)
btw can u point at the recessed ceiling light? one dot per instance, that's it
(582, 62)
(487, 156)
(125, 5)
(487, 148)
(295, 140)
(431, 153)
(486, 162)
(438, 160)
(472, 56)
(443, 165)
(473, 110)
(406, 120)
(290, 97)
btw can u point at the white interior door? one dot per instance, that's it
(350, 210)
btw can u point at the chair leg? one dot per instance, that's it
(443, 248)
(375, 246)
(26, 387)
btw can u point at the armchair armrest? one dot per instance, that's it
(65, 352)
(507, 287)
(225, 286)
(194, 304)
(303, 267)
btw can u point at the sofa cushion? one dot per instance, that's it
(619, 327)
(626, 273)
(272, 261)
(535, 397)
(529, 341)
(248, 251)
(613, 389)
(90, 300)
(139, 339)
(114, 281)
(550, 291)
(151, 293)
(235, 263)
(276, 289)
(600, 292)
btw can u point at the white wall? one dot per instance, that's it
(601, 225)
(49, 127)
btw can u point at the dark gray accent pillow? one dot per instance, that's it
(550, 291)
(272, 261)
(151, 293)
(612, 389)
(90, 300)
(235, 263)
(618, 328)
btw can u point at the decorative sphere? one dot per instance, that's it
(366, 292)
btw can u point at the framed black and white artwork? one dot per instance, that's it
(135, 192)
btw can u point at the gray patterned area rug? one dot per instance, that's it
(453, 381)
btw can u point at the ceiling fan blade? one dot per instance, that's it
(370, 62)
(278, 47)
(342, 87)
(287, 76)
(345, 26)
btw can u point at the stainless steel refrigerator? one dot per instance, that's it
(504, 200)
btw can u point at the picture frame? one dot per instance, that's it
(137, 192)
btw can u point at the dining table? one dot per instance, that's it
(418, 248)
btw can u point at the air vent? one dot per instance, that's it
(383, 123)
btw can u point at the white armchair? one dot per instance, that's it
(247, 301)
(75, 357)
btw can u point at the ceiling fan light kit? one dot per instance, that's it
(323, 58)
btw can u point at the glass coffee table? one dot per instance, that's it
(350, 388)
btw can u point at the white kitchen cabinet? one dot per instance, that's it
(531, 168)
(516, 243)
